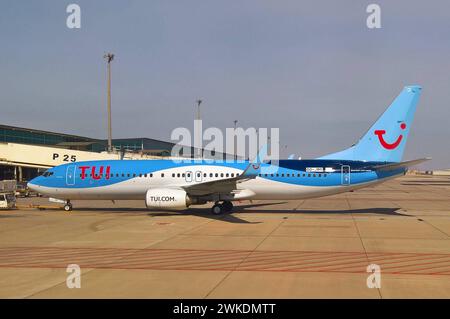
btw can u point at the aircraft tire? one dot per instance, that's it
(217, 209)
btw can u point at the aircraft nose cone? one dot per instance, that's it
(32, 185)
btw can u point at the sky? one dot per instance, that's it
(311, 68)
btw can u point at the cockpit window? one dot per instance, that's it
(47, 174)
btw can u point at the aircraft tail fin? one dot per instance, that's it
(386, 139)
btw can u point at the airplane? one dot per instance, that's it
(175, 185)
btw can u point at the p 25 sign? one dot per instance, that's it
(65, 157)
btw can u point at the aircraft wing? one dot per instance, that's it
(223, 186)
(228, 185)
(393, 166)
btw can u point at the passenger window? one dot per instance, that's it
(237, 174)
(151, 175)
(309, 175)
(320, 175)
(183, 175)
(217, 175)
(232, 174)
(210, 174)
(134, 175)
(282, 175)
(314, 175)
(221, 174)
(140, 175)
(204, 174)
(227, 175)
(162, 174)
(173, 174)
(178, 175)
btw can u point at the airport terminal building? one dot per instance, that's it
(25, 152)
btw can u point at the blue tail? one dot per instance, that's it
(385, 141)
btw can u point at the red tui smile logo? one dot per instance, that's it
(386, 145)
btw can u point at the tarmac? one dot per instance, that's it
(315, 248)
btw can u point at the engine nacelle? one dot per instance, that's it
(167, 198)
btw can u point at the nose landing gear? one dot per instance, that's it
(226, 206)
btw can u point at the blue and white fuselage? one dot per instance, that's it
(127, 179)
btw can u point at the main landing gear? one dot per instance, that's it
(68, 206)
(218, 209)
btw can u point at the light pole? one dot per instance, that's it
(235, 142)
(198, 108)
(109, 57)
(199, 151)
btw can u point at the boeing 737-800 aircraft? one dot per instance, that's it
(167, 184)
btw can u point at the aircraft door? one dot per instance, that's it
(198, 176)
(345, 175)
(188, 176)
(70, 174)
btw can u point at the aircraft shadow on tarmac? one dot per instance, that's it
(418, 182)
(227, 217)
(252, 208)
(232, 217)
(428, 184)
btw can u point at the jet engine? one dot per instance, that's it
(167, 198)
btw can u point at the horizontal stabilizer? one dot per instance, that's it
(393, 166)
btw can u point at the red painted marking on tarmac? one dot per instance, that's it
(421, 264)
(245, 260)
(329, 258)
(294, 261)
(400, 259)
(192, 260)
(223, 260)
(253, 262)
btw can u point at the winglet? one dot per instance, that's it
(261, 154)
(254, 167)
